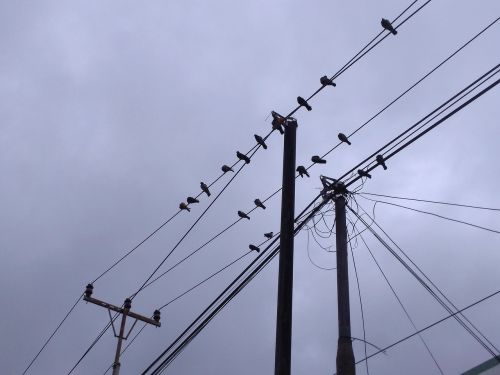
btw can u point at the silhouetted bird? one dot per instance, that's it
(268, 235)
(363, 173)
(318, 160)
(225, 168)
(302, 171)
(243, 157)
(260, 141)
(254, 248)
(192, 200)
(183, 206)
(386, 24)
(243, 215)
(325, 81)
(204, 187)
(278, 121)
(302, 102)
(258, 203)
(343, 138)
(380, 159)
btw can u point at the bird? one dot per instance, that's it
(302, 171)
(363, 173)
(243, 157)
(183, 206)
(343, 138)
(260, 141)
(278, 121)
(225, 168)
(386, 24)
(258, 203)
(269, 235)
(204, 187)
(380, 159)
(325, 81)
(303, 103)
(243, 215)
(254, 248)
(192, 200)
(318, 160)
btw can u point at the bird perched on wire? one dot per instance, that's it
(363, 173)
(225, 168)
(316, 159)
(343, 138)
(258, 203)
(243, 157)
(386, 24)
(243, 215)
(260, 141)
(254, 248)
(303, 103)
(204, 187)
(183, 206)
(192, 200)
(302, 171)
(269, 235)
(278, 121)
(380, 159)
(325, 81)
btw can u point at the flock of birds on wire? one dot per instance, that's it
(277, 124)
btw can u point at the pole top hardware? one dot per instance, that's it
(332, 187)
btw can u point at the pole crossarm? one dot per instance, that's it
(120, 310)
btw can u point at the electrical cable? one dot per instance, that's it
(182, 343)
(402, 306)
(53, 333)
(437, 123)
(428, 279)
(430, 290)
(190, 228)
(360, 304)
(351, 62)
(188, 291)
(409, 129)
(431, 325)
(435, 215)
(429, 201)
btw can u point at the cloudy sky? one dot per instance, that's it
(112, 112)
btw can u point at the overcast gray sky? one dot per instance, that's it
(112, 112)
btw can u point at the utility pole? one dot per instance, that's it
(125, 312)
(282, 359)
(345, 354)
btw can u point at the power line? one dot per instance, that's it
(436, 215)
(431, 325)
(429, 201)
(190, 228)
(428, 288)
(360, 304)
(427, 278)
(197, 285)
(431, 127)
(402, 306)
(163, 261)
(182, 343)
(351, 62)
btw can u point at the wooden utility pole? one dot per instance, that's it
(125, 312)
(345, 354)
(282, 361)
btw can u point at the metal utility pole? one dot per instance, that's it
(125, 312)
(285, 277)
(345, 354)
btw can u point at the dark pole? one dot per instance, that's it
(345, 355)
(285, 278)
